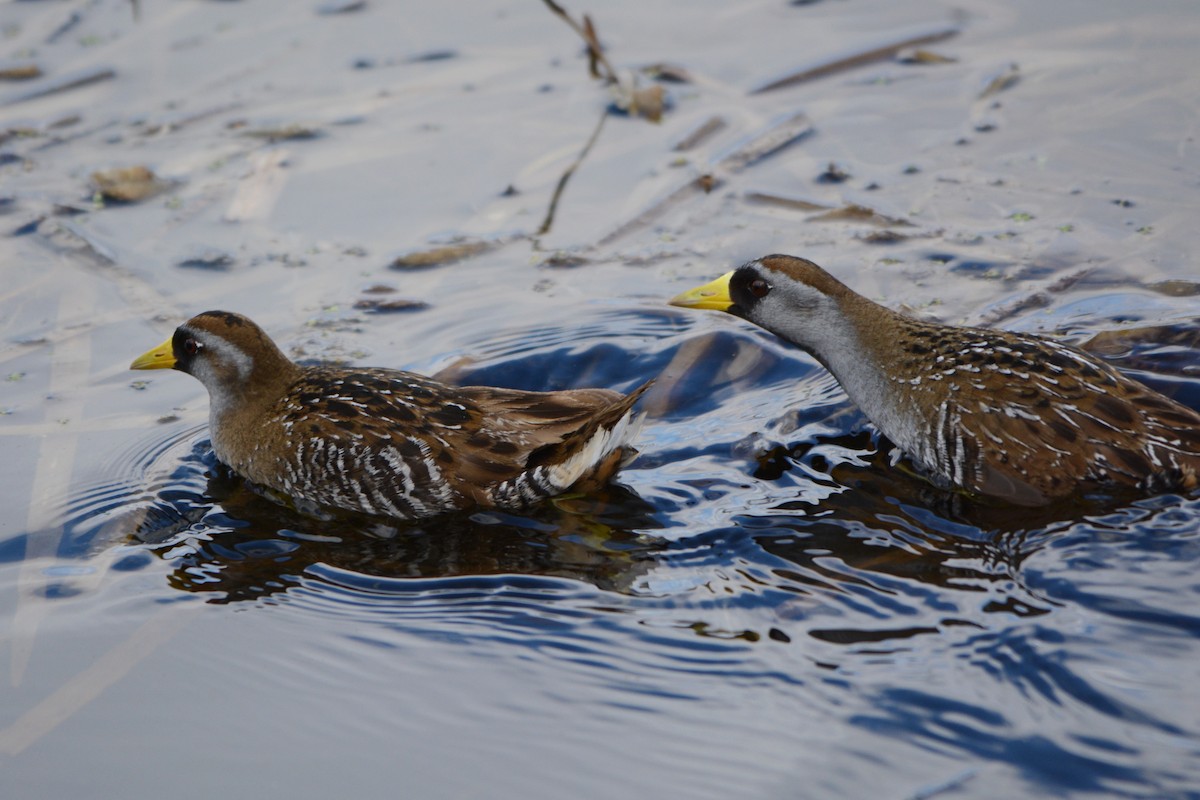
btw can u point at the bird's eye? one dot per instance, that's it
(191, 346)
(759, 288)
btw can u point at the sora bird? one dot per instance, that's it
(1007, 415)
(387, 442)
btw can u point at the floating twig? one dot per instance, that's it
(72, 80)
(19, 71)
(647, 102)
(699, 134)
(376, 306)
(856, 213)
(793, 203)
(777, 135)
(178, 121)
(1006, 79)
(290, 132)
(857, 60)
(66, 26)
(587, 32)
(443, 254)
(566, 176)
(923, 57)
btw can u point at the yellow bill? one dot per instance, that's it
(713, 295)
(161, 357)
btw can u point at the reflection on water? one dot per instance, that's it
(246, 547)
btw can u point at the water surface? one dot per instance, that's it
(762, 606)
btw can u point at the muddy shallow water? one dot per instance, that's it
(762, 606)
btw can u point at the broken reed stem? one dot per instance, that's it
(857, 60)
(588, 33)
(566, 176)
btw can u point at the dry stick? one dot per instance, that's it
(697, 136)
(562, 182)
(778, 135)
(647, 103)
(852, 62)
(178, 122)
(791, 203)
(81, 133)
(72, 81)
(588, 34)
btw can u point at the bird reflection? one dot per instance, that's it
(885, 520)
(245, 546)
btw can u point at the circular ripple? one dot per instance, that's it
(137, 490)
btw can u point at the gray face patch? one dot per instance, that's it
(221, 367)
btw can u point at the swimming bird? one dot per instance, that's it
(1008, 415)
(388, 442)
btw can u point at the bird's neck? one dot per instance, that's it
(863, 352)
(250, 399)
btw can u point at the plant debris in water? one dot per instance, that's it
(774, 138)
(700, 134)
(1007, 79)
(883, 237)
(378, 305)
(548, 222)
(919, 56)
(65, 83)
(208, 258)
(793, 203)
(669, 73)
(442, 255)
(564, 260)
(431, 55)
(127, 184)
(828, 68)
(856, 213)
(833, 174)
(1175, 288)
(629, 97)
(19, 71)
(340, 7)
(280, 133)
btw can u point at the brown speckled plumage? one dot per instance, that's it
(1009, 415)
(389, 442)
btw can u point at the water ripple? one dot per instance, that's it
(762, 541)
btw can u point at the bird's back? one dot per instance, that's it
(402, 445)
